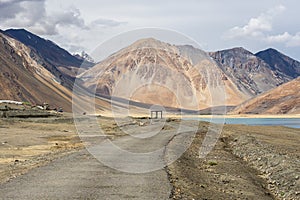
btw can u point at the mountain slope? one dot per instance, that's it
(154, 72)
(56, 57)
(24, 79)
(24, 76)
(250, 73)
(45, 48)
(280, 62)
(284, 99)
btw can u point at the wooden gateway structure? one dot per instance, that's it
(156, 114)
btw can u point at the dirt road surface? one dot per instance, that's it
(82, 176)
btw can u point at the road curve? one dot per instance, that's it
(81, 176)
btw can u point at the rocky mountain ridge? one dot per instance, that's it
(155, 72)
(280, 62)
(252, 74)
(240, 73)
(148, 71)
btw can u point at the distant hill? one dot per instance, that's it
(280, 62)
(252, 74)
(284, 99)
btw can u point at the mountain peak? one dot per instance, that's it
(18, 30)
(149, 42)
(249, 71)
(239, 50)
(280, 62)
(21, 32)
(272, 50)
(233, 52)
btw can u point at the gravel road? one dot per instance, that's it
(82, 176)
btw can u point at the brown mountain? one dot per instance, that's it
(27, 77)
(54, 58)
(253, 75)
(148, 71)
(154, 72)
(284, 99)
(24, 79)
(46, 48)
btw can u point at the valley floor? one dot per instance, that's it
(248, 162)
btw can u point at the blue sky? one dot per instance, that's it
(82, 25)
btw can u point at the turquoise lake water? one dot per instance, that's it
(289, 122)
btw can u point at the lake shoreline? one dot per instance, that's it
(182, 115)
(294, 116)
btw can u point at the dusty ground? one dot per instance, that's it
(247, 163)
(29, 143)
(26, 144)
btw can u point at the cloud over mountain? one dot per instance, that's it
(259, 27)
(256, 26)
(34, 15)
(81, 25)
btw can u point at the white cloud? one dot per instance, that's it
(256, 27)
(294, 41)
(12, 9)
(278, 38)
(32, 14)
(105, 22)
(50, 24)
(247, 23)
(285, 38)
